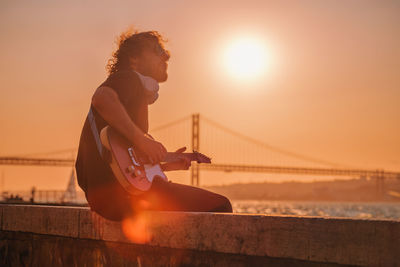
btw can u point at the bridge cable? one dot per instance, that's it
(273, 148)
(161, 127)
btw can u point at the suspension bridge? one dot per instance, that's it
(230, 152)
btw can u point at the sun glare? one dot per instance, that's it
(246, 58)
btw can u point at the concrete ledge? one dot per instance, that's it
(62, 221)
(315, 239)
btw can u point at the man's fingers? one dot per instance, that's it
(180, 150)
(154, 150)
(162, 148)
(161, 156)
(163, 153)
(187, 167)
(186, 163)
(151, 159)
(159, 153)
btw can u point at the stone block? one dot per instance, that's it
(62, 221)
(1, 217)
(17, 218)
(93, 226)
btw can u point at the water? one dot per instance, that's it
(360, 210)
(327, 209)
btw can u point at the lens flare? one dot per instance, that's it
(136, 229)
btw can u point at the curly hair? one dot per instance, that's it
(131, 44)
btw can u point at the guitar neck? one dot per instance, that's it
(173, 156)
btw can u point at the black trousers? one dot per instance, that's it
(114, 203)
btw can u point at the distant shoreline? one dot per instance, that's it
(318, 201)
(355, 190)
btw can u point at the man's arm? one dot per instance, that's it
(106, 102)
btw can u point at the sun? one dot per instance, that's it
(246, 58)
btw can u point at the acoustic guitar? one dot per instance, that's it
(131, 167)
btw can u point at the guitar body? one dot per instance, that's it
(130, 166)
(134, 176)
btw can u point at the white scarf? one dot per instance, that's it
(151, 88)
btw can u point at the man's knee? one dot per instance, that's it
(224, 206)
(227, 205)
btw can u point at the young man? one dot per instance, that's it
(137, 66)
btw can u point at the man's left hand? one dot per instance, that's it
(183, 164)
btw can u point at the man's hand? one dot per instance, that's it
(183, 164)
(155, 151)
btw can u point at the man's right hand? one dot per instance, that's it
(155, 151)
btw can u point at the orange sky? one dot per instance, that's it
(332, 92)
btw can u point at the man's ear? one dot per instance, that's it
(134, 62)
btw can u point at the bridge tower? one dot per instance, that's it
(380, 184)
(195, 147)
(70, 194)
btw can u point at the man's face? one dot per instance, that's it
(153, 62)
